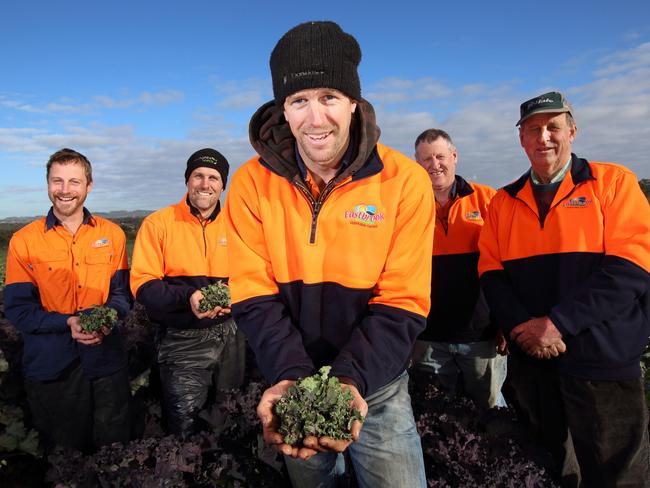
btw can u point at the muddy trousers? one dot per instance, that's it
(76, 412)
(192, 362)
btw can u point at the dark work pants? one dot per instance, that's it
(597, 431)
(609, 428)
(75, 412)
(191, 363)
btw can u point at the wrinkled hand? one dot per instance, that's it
(539, 338)
(549, 351)
(82, 337)
(324, 444)
(196, 298)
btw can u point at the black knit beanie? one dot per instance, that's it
(208, 158)
(315, 55)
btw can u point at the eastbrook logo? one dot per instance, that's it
(577, 202)
(365, 215)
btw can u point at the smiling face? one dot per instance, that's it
(439, 158)
(67, 188)
(547, 139)
(204, 188)
(320, 121)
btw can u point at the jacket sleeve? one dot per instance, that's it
(256, 304)
(505, 306)
(22, 301)
(119, 295)
(624, 274)
(381, 345)
(148, 272)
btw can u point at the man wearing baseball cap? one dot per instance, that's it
(178, 250)
(565, 266)
(330, 248)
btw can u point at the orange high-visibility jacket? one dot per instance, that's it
(586, 266)
(175, 254)
(52, 275)
(343, 279)
(459, 313)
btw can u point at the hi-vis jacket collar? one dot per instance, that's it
(51, 220)
(271, 137)
(580, 172)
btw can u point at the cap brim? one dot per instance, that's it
(543, 111)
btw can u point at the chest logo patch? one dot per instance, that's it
(473, 216)
(364, 215)
(223, 241)
(577, 202)
(100, 243)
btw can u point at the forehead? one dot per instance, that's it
(437, 146)
(545, 119)
(70, 169)
(205, 171)
(316, 92)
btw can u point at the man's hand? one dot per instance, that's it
(82, 337)
(323, 444)
(549, 351)
(271, 422)
(539, 337)
(196, 298)
(502, 343)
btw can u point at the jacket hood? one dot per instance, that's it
(271, 137)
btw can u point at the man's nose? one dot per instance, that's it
(316, 114)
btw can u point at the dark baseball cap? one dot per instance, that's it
(551, 102)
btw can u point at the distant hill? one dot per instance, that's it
(114, 215)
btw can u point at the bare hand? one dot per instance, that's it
(271, 422)
(548, 352)
(502, 344)
(539, 337)
(82, 337)
(217, 311)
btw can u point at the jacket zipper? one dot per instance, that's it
(541, 221)
(316, 205)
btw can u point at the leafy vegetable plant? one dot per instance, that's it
(316, 406)
(97, 318)
(214, 295)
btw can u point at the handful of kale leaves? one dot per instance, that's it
(214, 295)
(97, 318)
(316, 406)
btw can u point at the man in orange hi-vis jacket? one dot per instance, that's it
(59, 266)
(565, 266)
(179, 250)
(329, 243)
(460, 342)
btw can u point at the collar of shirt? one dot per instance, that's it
(51, 220)
(197, 213)
(558, 177)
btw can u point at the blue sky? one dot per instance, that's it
(138, 86)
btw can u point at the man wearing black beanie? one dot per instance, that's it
(179, 250)
(330, 248)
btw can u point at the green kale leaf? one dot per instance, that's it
(316, 406)
(97, 318)
(214, 295)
